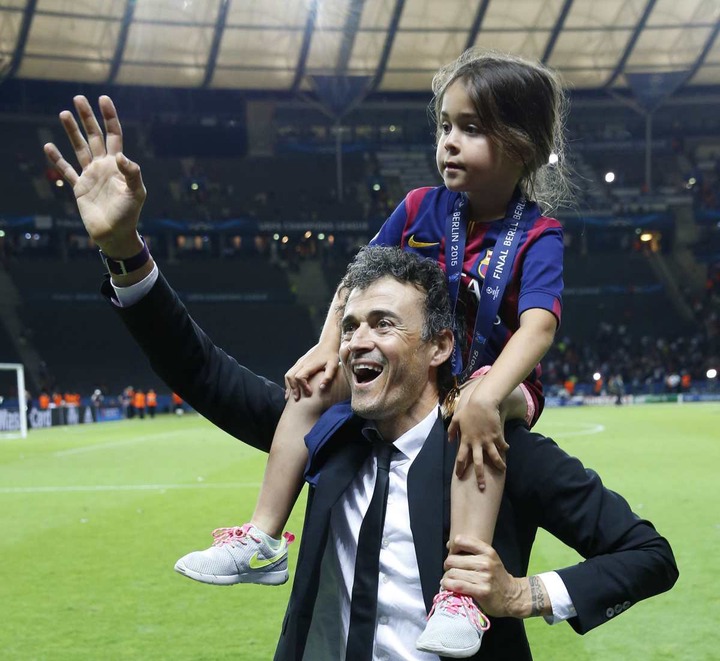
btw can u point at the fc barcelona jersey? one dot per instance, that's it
(418, 225)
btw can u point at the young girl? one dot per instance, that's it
(499, 118)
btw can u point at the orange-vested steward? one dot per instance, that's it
(44, 401)
(176, 399)
(139, 400)
(151, 399)
(57, 399)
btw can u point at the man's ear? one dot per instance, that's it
(444, 342)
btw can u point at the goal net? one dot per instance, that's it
(13, 405)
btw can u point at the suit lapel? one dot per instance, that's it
(336, 474)
(339, 471)
(341, 467)
(429, 502)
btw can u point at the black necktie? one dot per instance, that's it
(363, 609)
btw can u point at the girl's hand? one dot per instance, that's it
(109, 189)
(321, 358)
(478, 423)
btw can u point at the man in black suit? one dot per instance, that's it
(396, 342)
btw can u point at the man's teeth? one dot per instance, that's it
(366, 373)
(372, 368)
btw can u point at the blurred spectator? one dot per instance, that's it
(97, 397)
(128, 402)
(616, 387)
(151, 402)
(44, 401)
(139, 402)
(177, 404)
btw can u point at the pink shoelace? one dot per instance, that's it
(460, 604)
(222, 536)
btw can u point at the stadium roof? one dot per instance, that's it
(285, 45)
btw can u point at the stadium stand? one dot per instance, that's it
(615, 289)
(8, 353)
(245, 306)
(238, 235)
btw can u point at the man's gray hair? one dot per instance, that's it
(375, 262)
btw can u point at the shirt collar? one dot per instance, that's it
(411, 442)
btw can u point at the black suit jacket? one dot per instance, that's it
(626, 559)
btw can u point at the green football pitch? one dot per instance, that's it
(94, 517)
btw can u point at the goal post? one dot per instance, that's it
(13, 423)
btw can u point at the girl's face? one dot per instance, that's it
(467, 159)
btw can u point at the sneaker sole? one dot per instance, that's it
(260, 578)
(440, 650)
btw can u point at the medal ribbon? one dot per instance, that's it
(519, 217)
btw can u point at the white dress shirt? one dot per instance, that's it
(401, 614)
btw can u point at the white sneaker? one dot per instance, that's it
(454, 628)
(241, 554)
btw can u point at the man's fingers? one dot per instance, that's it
(464, 546)
(461, 586)
(463, 562)
(466, 574)
(77, 139)
(61, 165)
(131, 172)
(95, 138)
(113, 130)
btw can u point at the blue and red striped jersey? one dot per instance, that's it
(418, 225)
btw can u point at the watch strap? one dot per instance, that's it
(125, 266)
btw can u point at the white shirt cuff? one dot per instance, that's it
(127, 296)
(562, 605)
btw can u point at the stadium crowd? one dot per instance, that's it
(209, 191)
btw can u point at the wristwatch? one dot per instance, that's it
(125, 266)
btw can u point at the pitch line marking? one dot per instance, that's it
(589, 430)
(128, 487)
(115, 444)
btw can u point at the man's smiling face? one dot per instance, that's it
(385, 359)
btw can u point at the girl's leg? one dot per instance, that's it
(285, 467)
(456, 625)
(283, 477)
(474, 512)
(256, 552)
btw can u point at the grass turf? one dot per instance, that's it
(94, 517)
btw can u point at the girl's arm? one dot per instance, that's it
(477, 419)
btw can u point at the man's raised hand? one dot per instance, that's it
(109, 189)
